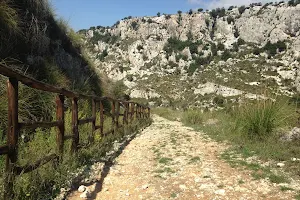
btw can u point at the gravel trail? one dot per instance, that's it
(171, 161)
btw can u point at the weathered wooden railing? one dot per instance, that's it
(131, 110)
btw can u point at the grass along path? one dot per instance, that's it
(171, 161)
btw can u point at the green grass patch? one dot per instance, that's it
(167, 113)
(165, 160)
(195, 159)
(258, 172)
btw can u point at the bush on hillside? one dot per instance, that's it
(219, 101)
(168, 16)
(134, 25)
(231, 8)
(200, 9)
(272, 48)
(241, 42)
(214, 49)
(220, 46)
(242, 9)
(261, 119)
(226, 55)
(192, 117)
(158, 14)
(230, 19)
(176, 45)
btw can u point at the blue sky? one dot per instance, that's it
(82, 14)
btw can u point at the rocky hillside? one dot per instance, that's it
(203, 58)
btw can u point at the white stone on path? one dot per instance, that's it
(81, 188)
(220, 192)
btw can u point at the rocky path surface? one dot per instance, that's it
(171, 161)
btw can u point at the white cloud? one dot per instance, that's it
(224, 3)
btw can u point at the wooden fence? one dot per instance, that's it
(131, 110)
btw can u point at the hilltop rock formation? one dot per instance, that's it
(173, 59)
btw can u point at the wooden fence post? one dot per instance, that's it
(12, 137)
(117, 114)
(137, 111)
(92, 137)
(75, 141)
(149, 112)
(132, 112)
(101, 118)
(113, 107)
(60, 116)
(126, 113)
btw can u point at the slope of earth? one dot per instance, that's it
(168, 160)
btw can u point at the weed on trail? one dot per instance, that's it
(258, 171)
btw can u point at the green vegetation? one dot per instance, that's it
(104, 37)
(218, 12)
(293, 2)
(242, 9)
(271, 48)
(176, 45)
(192, 117)
(134, 25)
(230, 20)
(102, 55)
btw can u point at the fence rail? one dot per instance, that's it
(131, 111)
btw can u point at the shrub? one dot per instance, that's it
(219, 101)
(256, 51)
(192, 117)
(242, 9)
(231, 7)
(173, 64)
(193, 48)
(168, 17)
(190, 12)
(220, 46)
(226, 55)
(200, 9)
(190, 35)
(230, 19)
(214, 49)
(158, 14)
(150, 21)
(139, 47)
(134, 25)
(235, 47)
(192, 68)
(241, 41)
(207, 22)
(176, 45)
(102, 56)
(9, 19)
(259, 120)
(236, 32)
(272, 48)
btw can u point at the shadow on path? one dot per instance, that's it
(107, 165)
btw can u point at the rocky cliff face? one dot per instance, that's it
(203, 58)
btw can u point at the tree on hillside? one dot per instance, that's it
(190, 12)
(179, 12)
(200, 9)
(158, 14)
(242, 9)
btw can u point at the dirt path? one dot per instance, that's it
(168, 160)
